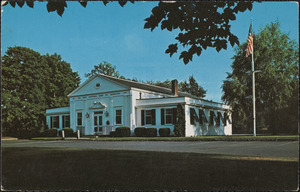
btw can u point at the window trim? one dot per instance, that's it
(77, 118)
(115, 117)
(64, 124)
(153, 116)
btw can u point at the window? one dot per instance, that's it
(168, 116)
(148, 117)
(54, 121)
(79, 118)
(66, 121)
(118, 116)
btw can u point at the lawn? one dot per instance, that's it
(88, 169)
(198, 138)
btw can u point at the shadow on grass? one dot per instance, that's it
(87, 169)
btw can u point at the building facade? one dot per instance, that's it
(103, 103)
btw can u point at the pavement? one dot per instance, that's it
(282, 149)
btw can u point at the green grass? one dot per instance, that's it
(198, 138)
(88, 169)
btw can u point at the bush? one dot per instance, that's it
(50, 133)
(112, 134)
(164, 132)
(140, 131)
(27, 134)
(151, 132)
(122, 132)
(68, 132)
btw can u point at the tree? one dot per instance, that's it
(29, 83)
(276, 55)
(179, 127)
(201, 24)
(106, 69)
(192, 87)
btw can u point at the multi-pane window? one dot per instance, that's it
(66, 121)
(168, 116)
(118, 116)
(54, 121)
(79, 118)
(148, 117)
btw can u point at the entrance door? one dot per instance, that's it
(98, 122)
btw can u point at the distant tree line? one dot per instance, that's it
(191, 86)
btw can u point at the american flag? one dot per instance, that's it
(250, 42)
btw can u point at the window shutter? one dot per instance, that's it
(63, 121)
(51, 122)
(174, 116)
(192, 120)
(202, 116)
(143, 117)
(162, 116)
(153, 116)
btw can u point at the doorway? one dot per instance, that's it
(98, 122)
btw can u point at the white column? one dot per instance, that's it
(60, 122)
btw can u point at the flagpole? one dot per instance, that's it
(253, 91)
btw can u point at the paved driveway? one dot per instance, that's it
(251, 148)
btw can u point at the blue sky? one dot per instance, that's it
(84, 37)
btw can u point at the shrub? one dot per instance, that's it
(140, 131)
(27, 134)
(112, 134)
(164, 132)
(151, 132)
(122, 132)
(68, 132)
(50, 132)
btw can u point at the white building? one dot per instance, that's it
(103, 103)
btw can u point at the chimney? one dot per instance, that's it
(175, 87)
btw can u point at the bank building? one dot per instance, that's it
(102, 103)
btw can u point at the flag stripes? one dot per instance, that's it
(250, 42)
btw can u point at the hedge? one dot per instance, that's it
(122, 132)
(28, 134)
(151, 132)
(164, 132)
(50, 132)
(69, 132)
(112, 134)
(140, 131)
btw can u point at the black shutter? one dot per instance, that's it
(50, 122)
(202, 116)
(143, 117)
(153, 116)
(162, 116)
(192, 121)
(174, 116)
(63, 121)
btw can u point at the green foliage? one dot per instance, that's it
(164, 132)
(122, 132)
(276, 55)
(104, 68)
(191, 87)
(151, 132)
(50, 133)
(179, 127)
(112, 134)
(201, 25)
(31, 83)
(69, 132)
(140, 131)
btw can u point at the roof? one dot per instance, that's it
(149, 87)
